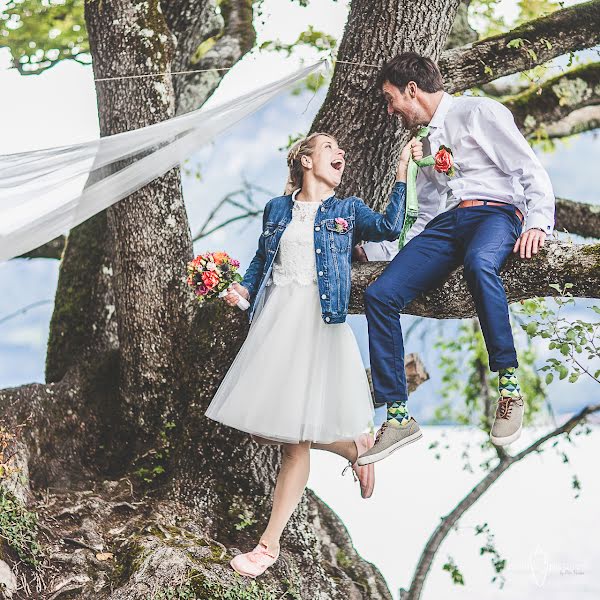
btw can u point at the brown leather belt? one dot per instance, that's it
(467, 203)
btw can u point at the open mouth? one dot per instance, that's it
(338, 164)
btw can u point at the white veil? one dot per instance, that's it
(43, 193)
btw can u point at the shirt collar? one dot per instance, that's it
(437, 121)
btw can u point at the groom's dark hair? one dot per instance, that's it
(410, 66)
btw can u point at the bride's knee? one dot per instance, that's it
(295, 451)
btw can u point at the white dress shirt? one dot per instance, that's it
(495, 163)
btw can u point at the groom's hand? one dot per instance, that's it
(530, 242)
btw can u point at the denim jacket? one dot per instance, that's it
(333, 249)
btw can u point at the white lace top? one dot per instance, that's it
(295, 261)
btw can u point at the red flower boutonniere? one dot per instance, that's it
(444, 161)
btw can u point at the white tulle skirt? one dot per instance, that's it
(295, 378)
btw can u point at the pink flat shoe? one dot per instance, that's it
(365, 475)
(255, 563)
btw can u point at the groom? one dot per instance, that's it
(499, 201)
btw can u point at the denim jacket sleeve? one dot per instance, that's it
(254, 271)
(376, 227)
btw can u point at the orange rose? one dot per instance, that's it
(443, 160)
(220, 257)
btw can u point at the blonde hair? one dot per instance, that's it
(303, 147)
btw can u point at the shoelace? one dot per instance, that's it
(349, 466)
(384, 425)
(505, 405)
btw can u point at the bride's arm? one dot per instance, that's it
(377, 227)
(254, 271)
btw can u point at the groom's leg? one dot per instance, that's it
(489, 234)
(422, 264)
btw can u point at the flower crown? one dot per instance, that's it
(293, 155)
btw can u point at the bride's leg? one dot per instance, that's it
(345, 448)
(291, 481)
(351, 450)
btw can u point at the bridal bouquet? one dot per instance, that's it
(211, 274)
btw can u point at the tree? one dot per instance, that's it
(155, 495)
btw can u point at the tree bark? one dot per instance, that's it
(83, 324)
(579, 218)
(567, 30)
(163, 361)
(559, 97)
(53, 249)
(84, 319)
(462, 33)
(557, 262)
(207, 40)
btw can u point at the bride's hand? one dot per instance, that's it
(416, 147)
(232, 298)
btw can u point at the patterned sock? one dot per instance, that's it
(397, 414)
(508, 384)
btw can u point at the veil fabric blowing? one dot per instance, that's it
(44, 193)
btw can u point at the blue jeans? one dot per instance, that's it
(479, 237)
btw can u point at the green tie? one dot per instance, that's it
(412, 202)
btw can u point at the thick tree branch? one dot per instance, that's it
(557, 262)
(579, 121)
(220, 49)
(559, 97)
(566, 30)
(579, 218)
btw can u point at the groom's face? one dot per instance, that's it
(403, 104)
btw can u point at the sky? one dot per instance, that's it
(59, 107)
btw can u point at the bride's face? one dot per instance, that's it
(326, 164)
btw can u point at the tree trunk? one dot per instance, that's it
(148, 231)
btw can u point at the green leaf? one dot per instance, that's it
(516, 43)
(549, 378)
(532, 328)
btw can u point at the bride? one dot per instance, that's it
(298, 380)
